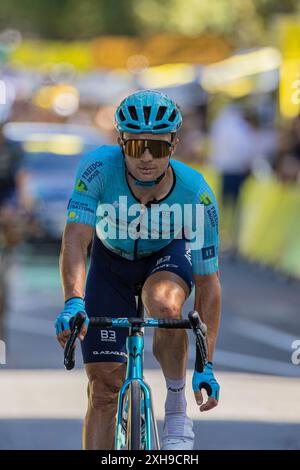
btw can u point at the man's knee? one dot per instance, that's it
(105, 382)
(163, 304)
(164, 295)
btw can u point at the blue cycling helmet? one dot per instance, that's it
(148, 111)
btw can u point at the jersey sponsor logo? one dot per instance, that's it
(213, 216)
(109, 353)
(176, 390)
(91, 172)
(73, 215)
(188, 256)
(81, 186)
(91, 169)
(208, 252)
(108, 336)
(93, 176)
(163, 266)
(205, 199)
(163, 260)
(81, 206)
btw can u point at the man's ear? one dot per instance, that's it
(174, 145)
(120, 140)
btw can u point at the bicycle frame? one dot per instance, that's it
(135, 351)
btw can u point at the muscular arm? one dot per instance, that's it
(208, 304)
(73, 256)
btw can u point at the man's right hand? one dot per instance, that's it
(62, 323)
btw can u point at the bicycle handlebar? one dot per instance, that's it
(194, 323)
(108, 322)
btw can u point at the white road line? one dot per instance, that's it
(256, 364)
(265, 334)
(57, 394)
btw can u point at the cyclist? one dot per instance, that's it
(164, 254)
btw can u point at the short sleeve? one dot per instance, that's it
(87, 190)
(205, 259)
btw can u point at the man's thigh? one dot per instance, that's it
(108, 297)
(105, 375)
(170, 277)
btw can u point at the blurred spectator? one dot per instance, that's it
(287, 164)
(192, 147)
(232, 153)
(10, 181)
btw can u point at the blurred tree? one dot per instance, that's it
(246, 21)
(69, 19)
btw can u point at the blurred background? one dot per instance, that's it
(234, 69)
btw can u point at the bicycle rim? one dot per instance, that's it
(134, 417)
(121, 430)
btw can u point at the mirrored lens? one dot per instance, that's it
(158, 148)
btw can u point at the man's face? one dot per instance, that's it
(148, 168)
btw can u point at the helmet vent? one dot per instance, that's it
(121, 115)
(173, 115)
(147, 110)
(133, 113)
(160, 126)
(133, 126)
(161, 112)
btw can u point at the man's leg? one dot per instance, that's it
(163, 295)
(105, 381)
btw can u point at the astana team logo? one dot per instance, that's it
(81, 186)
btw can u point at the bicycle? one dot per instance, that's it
(136, 427)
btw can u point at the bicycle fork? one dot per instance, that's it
(135, 351)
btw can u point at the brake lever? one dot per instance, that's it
(69, 351)
(200, 330)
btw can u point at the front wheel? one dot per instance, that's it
(134, 441)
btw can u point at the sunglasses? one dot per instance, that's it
(136, 147)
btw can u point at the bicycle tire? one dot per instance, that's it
(134, 417)
(121, 432)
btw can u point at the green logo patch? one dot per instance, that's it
(205, 199)
(81, 186)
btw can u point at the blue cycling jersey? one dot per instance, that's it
(103, 199)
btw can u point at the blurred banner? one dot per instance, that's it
(289, 44)
(123, 52)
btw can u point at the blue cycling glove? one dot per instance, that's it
(206, 380)
(72, 307)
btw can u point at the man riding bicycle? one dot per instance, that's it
(128, 200)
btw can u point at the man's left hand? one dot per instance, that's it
(206, 380)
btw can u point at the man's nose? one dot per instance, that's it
(146, 155)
